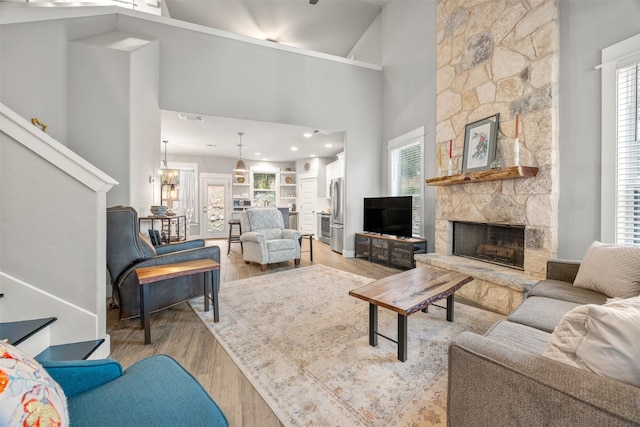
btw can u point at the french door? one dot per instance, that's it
(215, 195)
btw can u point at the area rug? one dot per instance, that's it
(303, 343)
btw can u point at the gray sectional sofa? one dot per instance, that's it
(502, 378)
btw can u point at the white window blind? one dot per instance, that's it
(405, 170)
(628, 155)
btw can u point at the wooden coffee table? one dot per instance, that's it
(406, 293)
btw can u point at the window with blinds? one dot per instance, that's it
(628, 155)
(405, 169)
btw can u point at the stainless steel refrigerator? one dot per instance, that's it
(337, 214)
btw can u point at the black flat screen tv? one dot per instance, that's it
(388, 215)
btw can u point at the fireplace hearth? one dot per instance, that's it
(501, 244)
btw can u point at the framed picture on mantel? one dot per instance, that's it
(480, 141)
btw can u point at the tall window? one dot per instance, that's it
(628, 156)
(620, 143)
(405, 172)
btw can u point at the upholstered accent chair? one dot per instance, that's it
(154, 391)
(128, 250)
(265, 239)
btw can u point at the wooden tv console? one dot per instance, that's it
(390, 250)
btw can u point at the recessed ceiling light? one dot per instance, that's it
(257, 154)
(328, 145)
(313, 155)
(190, 117)
(294, 148)
(265, 160)
(307, 135)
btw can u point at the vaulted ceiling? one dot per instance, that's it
(329, 26)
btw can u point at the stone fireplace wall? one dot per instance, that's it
(501, 56)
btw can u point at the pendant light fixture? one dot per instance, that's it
(241, 167)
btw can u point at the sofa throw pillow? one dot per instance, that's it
(612, 270)
(28, 395)
(600, 338)
(611, 347)
(567, 336)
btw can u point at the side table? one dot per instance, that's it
(156, 273)
(310, 237)
(169, 220)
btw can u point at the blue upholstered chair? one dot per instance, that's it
(155, 391)
(126, 251)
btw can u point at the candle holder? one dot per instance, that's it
(516, 152)
(450, 171)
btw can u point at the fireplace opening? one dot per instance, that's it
(501, 244)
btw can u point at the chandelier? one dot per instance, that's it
(167, 177)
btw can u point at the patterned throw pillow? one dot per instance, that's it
(612, 270)
(28, 395)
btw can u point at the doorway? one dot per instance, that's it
(308, 195)
(216, 202)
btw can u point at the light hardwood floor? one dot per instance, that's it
(179, 333)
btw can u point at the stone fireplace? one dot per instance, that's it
(498, 57)
(500, 244)
(501, 57)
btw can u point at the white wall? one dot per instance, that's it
(114, 117)
(586, 28)
(33, 68)
(42, 227)
(145, 152)
(409, 88)
(208, 74)
(367, 49)
(52, 233)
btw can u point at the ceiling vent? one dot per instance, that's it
(190, 117)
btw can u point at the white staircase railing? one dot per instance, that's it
(52, 233)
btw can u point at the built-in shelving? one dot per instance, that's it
(241, 191)
(484, 176)
(288, 185)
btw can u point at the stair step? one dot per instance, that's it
(17, 332)
(74, 351)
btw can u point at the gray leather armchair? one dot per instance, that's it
(126, 251)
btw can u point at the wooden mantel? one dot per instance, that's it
(483, 176)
